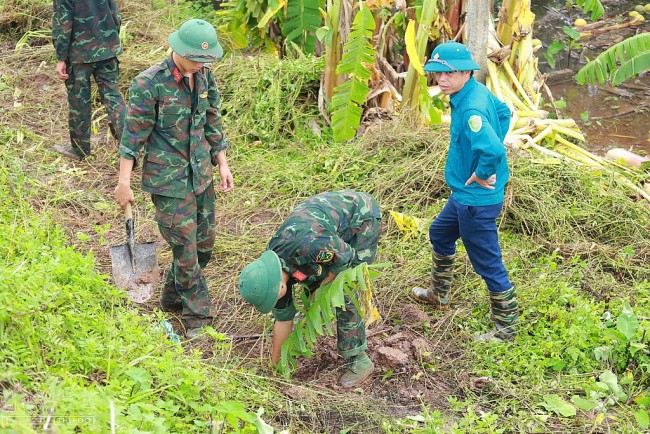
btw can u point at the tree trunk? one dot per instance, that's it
(478, 26)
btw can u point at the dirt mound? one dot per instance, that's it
(399, 354)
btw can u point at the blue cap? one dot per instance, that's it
(450, 57)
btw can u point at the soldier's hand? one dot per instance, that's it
(123, 195)
(61, 70)
(227, 182)
(485, 183)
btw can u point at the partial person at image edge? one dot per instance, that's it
(86, 37)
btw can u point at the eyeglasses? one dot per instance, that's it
(443, 63)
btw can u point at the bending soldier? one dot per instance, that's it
(324, 235)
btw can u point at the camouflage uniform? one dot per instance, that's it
(180, 130)
(329, 232)
(86, 36)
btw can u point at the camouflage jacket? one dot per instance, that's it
(321, 234)
(181, 137)
(86, 31)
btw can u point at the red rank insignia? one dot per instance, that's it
(299, 275)
(177, 75)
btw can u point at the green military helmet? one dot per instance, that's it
(259, 281)
(450, 57)
(196, 40)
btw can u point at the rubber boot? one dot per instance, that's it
(504, 313)
(359, 368)
(442, 273)
(69, 152)
(170, 300)
(195, 333)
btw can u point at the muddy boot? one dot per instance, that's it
(504, 313)
(171, 303)
(359, 368)
(196, 334)
(442, 273)
(69, 152)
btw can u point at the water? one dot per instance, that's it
(609, 117)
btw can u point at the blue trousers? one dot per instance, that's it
(476, 226)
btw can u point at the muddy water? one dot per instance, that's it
(609, 117)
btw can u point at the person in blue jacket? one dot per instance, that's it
(476, 171)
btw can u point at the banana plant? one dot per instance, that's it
(416, 47)
(301, 21)
(349, 97)
(268, 23)
(593, 6)
(619, 62)
(330, 35)
(319, 311)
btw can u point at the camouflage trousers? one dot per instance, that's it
(350, 330)
(188, 226)
(106, 73)
(350, 326)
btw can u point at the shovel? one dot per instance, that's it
(135, 266)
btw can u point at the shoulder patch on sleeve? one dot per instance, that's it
(475, 123)
(324, 256)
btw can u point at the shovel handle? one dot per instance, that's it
(128, 213)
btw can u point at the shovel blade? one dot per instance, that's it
(139, 284)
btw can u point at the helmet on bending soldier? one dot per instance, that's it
(260, 281)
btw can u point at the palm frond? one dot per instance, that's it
(619, 62)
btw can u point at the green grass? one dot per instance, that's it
(73, 349)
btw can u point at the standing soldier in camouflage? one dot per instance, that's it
(476, 172)
(86, 36)
(323, 235)
(174, 113)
